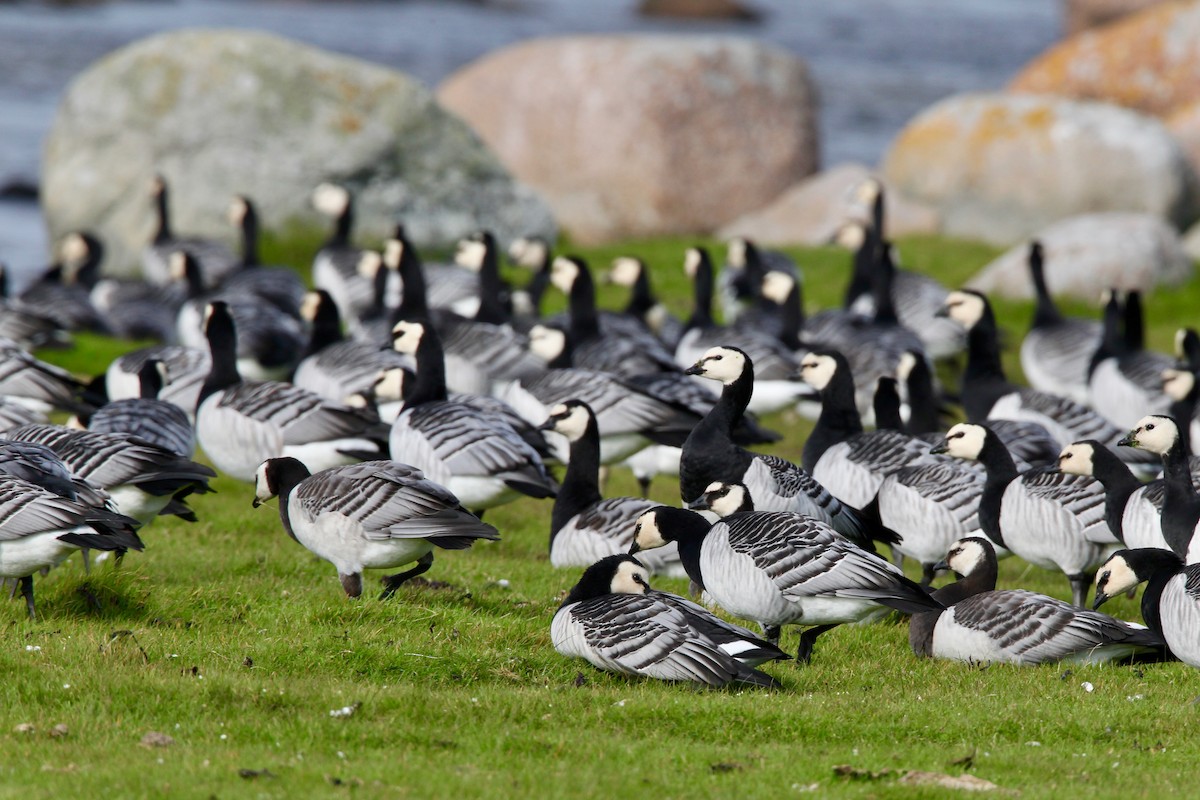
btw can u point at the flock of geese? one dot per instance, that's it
(390, 407)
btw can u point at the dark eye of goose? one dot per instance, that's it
(638, 579)
(1065, 456)
(717, 358)
(958, 435)
(1150, 427)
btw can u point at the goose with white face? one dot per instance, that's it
(1114, 578)
(569, 419)
(736, 253)
(964, 440)
(777, 286)
(818, 370)
(851, 235)
(547, 343)
(528, 252)
(264, 488)
(905, 365)
(1155, 433)
(1077, 459)
(646, 533)
(470, 254)
(966, 556)
(723, 499)
(722, 364)
(691, 262)
(74, 249)
(625, 271)
(238, 209)
(1177, 384)
(965, 308)
(406, 337)
(309, 306)
(330, 199)
(630, 578)
(563, 273)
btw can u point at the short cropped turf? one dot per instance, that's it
(225, 661)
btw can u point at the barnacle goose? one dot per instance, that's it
(37, 385)
(1181, 503)
(373, 515)
(216, 260)
(24, 325)
(486, 298)
(775, 484)
(335, 266)
(1127, 384)
(584, 526)
(58, 294)
(185, 368)
(633, 274)
(778, 568)
(279, 286)
(613, 620)
(40, 465)
(146, 417)
(1171, 601)
(478, 457)
(240, 423)
(1057, 350)
(1051, 519)
(987, 393)
(1181, 386)
(42, 528)
(741, 281)
(531, 253)
(143, 479)
(981, 625)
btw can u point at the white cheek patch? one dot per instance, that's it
(1077, 459)
(369, 264)
(574, 424)
(625, 271)
(648, 536)
(1178, 383)
(818, 370)
(851, 236)
(691, 262)
(309, 306)
(262, 482)
(968, 558)
(390, 385)
(905, 365)
(563, 273)
(736, 255)
(1116, 577)
(625, 581)
(74, 248)
(967, 445)
(411, 338)
(470, 255)
(777, 286)
(237, 211)
(729, 503)
(177, 265)
(330, 200)
(393, 252)
(547, 343)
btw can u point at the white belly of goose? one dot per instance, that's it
(341, 542)
(1180, 613)
(133, 502)
(25, 556)
(235, 443)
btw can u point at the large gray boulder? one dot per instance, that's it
(1087, 254)
(643, 135)
(1000, 167)
(219, 112)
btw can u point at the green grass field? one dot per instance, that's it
(235, 642)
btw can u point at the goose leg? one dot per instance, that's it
(86, 554)
(352, 584)
(771, 633)
(1079, 588)
(644, 485)
(393, 582)
(807, 640)
(27, 593)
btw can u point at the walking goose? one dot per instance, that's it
(613, 620)
(1181, 503)
(775, 484)
(240, 423)
(1057, 350)
(479, 458)
(146, 417)
(1051, 519)
(216, 260)
(981, 625)
(1171, 601)
(373, 515)
(585, 527)
(987, 393)
(778, 568)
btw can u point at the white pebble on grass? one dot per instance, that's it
(1088, 687)
(32, 648)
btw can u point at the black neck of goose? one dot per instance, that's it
(379, 287)
(860, 276)
(881, 286)
(792, 318)
(163, 233)
(581, 484)
(585, 325)
(1161, 566)
(1001, 471)
(983, 381)
(326, 327)
(222, 344)
(1178, 526)
(1046, 311)
(734, 400)
(429, 386)
(838, 420)
(343, 226)
(1183, 410)
(414, 305)
(193, 279)
(149, 380)
(1119, 484)
(1135, 323)
(709, 452)
(537, 286)
(924, 406)
(1112, 342)
(688, 530)
(982, 579)
(641, 296)
(702, 294)
(492, 290)
(4, 282)
(250, 257)
(289, 475)
(886, 405)
(88, 273)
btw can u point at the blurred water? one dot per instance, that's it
(876, 62)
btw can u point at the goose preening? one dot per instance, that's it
(1057, 350)
(982, 625)
(241, 424)
(584, 526)
(215, 259)
(372, 515)
(775, 484)
(1125, 381)
(778, 568)
(1180, 516)
(478, 457)
(24, 325)
(42, 528)
(40, 465)
(146, 417)
(613, 620)
(987, 393)
(1170, 602)
(1052, 520)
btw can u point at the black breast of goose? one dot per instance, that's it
(613, 620)
(216, 260)
(775, 484)
(1171, 601)
(481, 459)
(373, 515)
(1056, 351)
(1051, 519)
(982, 625)
(778, 568)
(633, 274)
(279, 286)
(1181, 503)
(241, 424)
(1128, 384)
(584, 526)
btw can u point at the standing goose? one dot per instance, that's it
(531, 253)
(479, 458)
(1181, 503)
(613, 620)
(987, 393)
(488, 301)
(148, 418)
(775, 484)
(279, 286)
(241, 424)
(778, 568)
(1128, 383)
(373, 515)
(633, 274)
(1052, 520)
(1057, 350)
(216, 260)
(1171, 601)
(335, 266)
(981, 625)
(585, 527)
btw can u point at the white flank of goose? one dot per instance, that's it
(373, 515)
(613, 620)
(1171, 601)
(982, 625)
(778, 568)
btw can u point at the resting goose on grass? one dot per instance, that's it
(240, 423)
(633, 274)
(1127, 383)
(1181, 503)
(613, 620)
(335, 266)
(778, 568)
(1052, 520)
(37, 385)
(981, 625)
(531, 253)
(373, 515)
(585, 527)
(740, 284)
(1171, 601)
(478, 457)
(24, 325)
